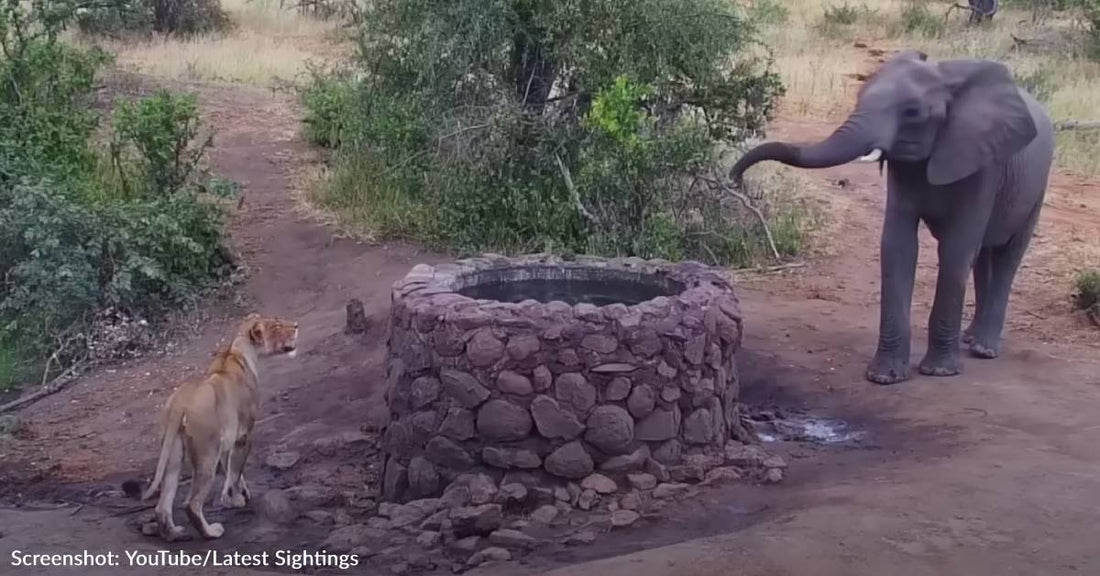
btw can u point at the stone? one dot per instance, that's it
(695, 348)
(646, 343)
(414, 512)
(524, 346)
(744, 455)
(345, 538)
(445, 452)
(614, 368)
(774, 461)
(670, 393)
(583, 537)
(467, 544)
(568, 357)
(458, 424)
(512, 494)
(661, 424)
(429, 539)
(150, 528)
(376, 522)
(664, 370)
(722, 475)
(510, 382)
(624, 518)
(600, 343)
(587, 500)
(573, 388)
(542, 379)
(642, 481)
(610, 429)
(508, 538)
(631, 501)
(395, 481)
(669, 452)
(627, 462)
(425, 391)
(699, 427)
(773, 475)
(641, 401)
(618, 389)
(457, 494)
(355, 321)
(435, 522)
(491, 554)
(282, 460)
(482, 489)
(658, 470)
(569, 461)
(484, 349)
(667, 490)
(476, 520)
(501, 421)
(599, 483)
(561, 494)
(276, 507)
(509, 458)
(687, 473)
(423, 478)
(322, 517)
(399, 568)
(553, 421)
(545, 514)
(463, 387)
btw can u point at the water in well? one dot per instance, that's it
(598, 292)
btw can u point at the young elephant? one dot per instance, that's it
(969, 153)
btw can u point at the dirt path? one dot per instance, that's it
(992, 472)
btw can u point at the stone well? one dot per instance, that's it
(558, 368)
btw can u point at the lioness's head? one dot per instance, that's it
(271, 335)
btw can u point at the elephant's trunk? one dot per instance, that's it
(847, 143)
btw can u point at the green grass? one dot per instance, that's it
(13, 366)
(1088, 288)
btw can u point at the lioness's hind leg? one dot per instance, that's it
(205, 461)
(169, 483)
(241, 494)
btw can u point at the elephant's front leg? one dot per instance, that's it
(956, 257)
(898, 257)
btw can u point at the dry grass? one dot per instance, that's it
(268, 44)
(819, 62)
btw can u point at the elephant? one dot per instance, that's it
(969, 153)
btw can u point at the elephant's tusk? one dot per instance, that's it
(873, 156)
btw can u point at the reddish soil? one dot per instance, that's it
(991, 472)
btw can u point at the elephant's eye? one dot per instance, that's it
(911, 113)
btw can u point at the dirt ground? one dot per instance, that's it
(991, 472)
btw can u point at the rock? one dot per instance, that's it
(722, 475)
(425, 391)
(641, 401)
(476, 520)
(773, 476)
(631, 501)
(434, 523)
(658, 470)
(501, 421)
(445, 452)
(669, 490)
(553, 421)
(276, 507)
(744, 455)
(569, 461)
(573, 388)
(491, 554)
(512, 383)
(150, 528)
(456, 495)
(665, 371)
(484, 349)
(282, 460)
(562, 494)
(423, 478)
(377, 418)
(543, 378)
(617, 389)
(600, 343)
(512, 494)
(614, 368)
(509, 458)
(629, 462)
(355, 321)
(670, 393)
(661, 424)
(599, 483)
(610, 429)
(587, 500)
(463, 387)
(322, 517)
(669, 452)
(482, 490)
(687, 473)
(414, 512)
(400, 568)
(699, 427)
(642, 481)
(376, 522)
(467, 544)
(458, 424)
(568, 357)
(512, 539)
(429, 539)
(624, 518)
(345, 538)
(420, 561)
(545, 514)
(523, 347)
(774, 461)
(583, 537)
(395, 481)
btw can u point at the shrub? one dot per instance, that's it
(178, 17)
(837, 21)
(917, 18)
(571, 126)
(1087, 284)
(1039, 83)
(159, 133)
(768, 12)
(845, 14)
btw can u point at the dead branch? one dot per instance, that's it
(1063, 125)
(574, 193)
(750, 207)
(54, 386)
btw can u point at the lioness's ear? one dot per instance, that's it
(256, 333)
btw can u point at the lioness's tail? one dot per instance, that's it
(170, 427)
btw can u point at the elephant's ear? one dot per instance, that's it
(987, 120)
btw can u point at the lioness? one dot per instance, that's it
(212, 419)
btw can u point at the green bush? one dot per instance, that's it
(768, 12)
(159, 134)
(123, 17)
(844, 14)
(837, 20)
(917, 18)
(1088, 288)
(564, 126)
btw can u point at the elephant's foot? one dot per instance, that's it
(980, 348)
(941, 364)
(968, 334)
(888, 369)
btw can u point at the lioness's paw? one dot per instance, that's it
(238, 501)
(215, 530)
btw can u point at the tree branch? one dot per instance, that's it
(574, 193)
(750, 207)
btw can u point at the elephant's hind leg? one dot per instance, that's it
(983, 270)
(986, 342)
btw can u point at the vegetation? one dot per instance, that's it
(85, 230)
(178, 17)
(1088, 288)
(569, 126)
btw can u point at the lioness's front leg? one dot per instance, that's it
(239, 488)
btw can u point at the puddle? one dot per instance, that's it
(772, 427)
